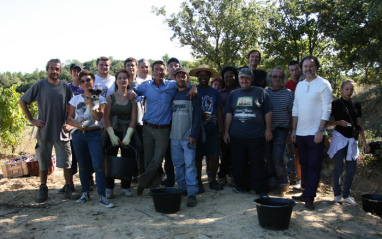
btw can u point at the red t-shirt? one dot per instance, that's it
(291, 85)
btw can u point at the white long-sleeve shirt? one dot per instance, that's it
(312, 103)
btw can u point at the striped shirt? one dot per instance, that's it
(282, 101)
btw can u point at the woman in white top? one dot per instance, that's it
(87, 141)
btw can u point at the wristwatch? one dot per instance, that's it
(321, 129)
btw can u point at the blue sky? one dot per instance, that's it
(34, 31)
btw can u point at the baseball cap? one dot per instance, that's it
(181, 69)
(74, 65)
(173, 59)
(246, 72)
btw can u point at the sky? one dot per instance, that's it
(35, 31)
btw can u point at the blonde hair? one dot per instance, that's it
(348, 81)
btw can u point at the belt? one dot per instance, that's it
(89, 130)
(155, 126)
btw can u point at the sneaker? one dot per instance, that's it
(201, 188)
(68, 192)
(240, 190)
(109, 193)
(43, 194)
(84, 198)
(104, 202)
(338, 199)
(298, 198)
(126, 191)
(351, 201)
(191, 201)
(298, 185)
(223, 181)
(214, 185)
(310, 205)
(62, 190)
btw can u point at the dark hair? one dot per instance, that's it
(252, 51)
(230, 68)
(102, 58)
(116, 77)
(292, 63)
(53, 61)
(159, 63)
(270, 74)
(130, 59)
(310, 57)
(87, 73)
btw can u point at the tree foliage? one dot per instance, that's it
(12, 119)
(219, 31)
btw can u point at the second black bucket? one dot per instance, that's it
(167, 200)
(274, 213)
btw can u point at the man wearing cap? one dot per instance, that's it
(282, 101)
(259, 75)
(185, 130)
(156, 122)
(75, 69)
(212, 124)
(247, 127)
(172, 64)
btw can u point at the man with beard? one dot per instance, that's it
(52, 96)
(311, 110)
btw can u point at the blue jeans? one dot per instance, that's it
(338, 168)
(274, 155)
(88, 148)
(183, 158)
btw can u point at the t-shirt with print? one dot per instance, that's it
(51, 101)
(79, 104)
(248, 109)
(77, 90)
(210, 102)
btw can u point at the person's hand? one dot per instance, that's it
(293, 136)
(38, 123)
(192, 140)
(318, 137)
(344, 123)
(113, 138)
(289, 139)
(367, 148)
(67, 128)
(126, 140)
(193, 92)
(268, 135)
(227, 138)
(131, 95)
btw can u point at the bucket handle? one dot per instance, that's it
(123, 146)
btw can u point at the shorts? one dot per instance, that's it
(212, 145)
(43, 151)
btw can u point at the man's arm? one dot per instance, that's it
(228, 121)
(268, 126)
(294, 126)
(38, 123)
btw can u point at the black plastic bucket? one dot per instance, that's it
(274, 213)
(372, 203)
(120, 167)
(166, 200)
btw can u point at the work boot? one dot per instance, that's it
(43, 194)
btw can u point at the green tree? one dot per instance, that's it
(219, 31)
(12, 119)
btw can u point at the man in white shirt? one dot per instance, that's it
(311, 111)
(143, 70)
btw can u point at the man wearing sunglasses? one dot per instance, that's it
(52, 96)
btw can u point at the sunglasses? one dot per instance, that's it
(87, 80)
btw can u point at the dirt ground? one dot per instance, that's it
(219, 214)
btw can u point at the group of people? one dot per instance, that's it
(242, 129)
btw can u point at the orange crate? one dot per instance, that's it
(16, 169)
(34, 169)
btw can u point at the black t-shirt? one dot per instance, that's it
(339, 113)
(259, 78)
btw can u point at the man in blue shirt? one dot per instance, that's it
(156, 123)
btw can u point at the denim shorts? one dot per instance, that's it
(43, 151)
